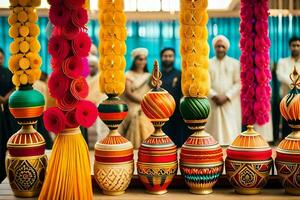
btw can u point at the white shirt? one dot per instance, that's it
(284, 68)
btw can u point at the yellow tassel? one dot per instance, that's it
(68, 175)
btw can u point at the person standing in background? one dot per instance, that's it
(175, 128)
(284, 67)
(136, 127)
(99, 130)
(224, 121)
(8, 125)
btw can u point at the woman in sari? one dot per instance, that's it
(136, 127)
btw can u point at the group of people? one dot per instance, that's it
(137, 127)
(224, 122)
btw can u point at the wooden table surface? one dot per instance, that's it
(177, 191)
(173, 194)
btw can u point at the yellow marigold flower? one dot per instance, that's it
(29, 55)
(13, 62)
(24, 31)
(29, 9)
(12, 19)
(109, 88)
(18, 9)
(24, 79)
(13, 2)
(37, 73)
(16, 80)
(22, 16)
(35, 60)
(32, 17)
(198, 90)
(35, 3)
(35, 45)
(14, 47)
(19, 39)
(14, 30)
(24, 63)
(19, 72)
(24, 2)
(31, 78)
(24, 46)
(33, 29)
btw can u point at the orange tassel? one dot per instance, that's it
(68, 176)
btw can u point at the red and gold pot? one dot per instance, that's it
(113, 166)
(288, 151)
(157, 156)
(248, 162)
(201, 157)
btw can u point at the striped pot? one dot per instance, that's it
(288, 151)
(201, 157)
(157, 156)
(113, 167)
(26, 161)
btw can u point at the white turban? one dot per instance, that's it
(223, 39)
(138, 52)
(92, 60)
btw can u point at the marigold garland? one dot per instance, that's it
(112, 47)
(24, 31)
(194, 48)
(255, 59)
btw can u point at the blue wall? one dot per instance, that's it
(155, 35)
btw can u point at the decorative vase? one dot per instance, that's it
(157, 156)
(201, 157)
(26, 161)
(113, 168)
(288, 151)
(248, 162)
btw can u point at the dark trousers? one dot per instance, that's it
(8, 126)
(177, 130)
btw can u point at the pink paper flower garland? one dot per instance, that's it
(69, 45)
(255, 59)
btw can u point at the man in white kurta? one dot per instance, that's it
(224, 122)
(284, 67)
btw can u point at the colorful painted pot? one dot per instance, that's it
(26, 105)
(113, 168)
(288, 162)
(26, 161)
(201, 157)
(157, 156)
(157, 162)
(288, 151)
(248, 162)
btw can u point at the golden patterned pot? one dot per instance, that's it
(248, 162)
(26, 162)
